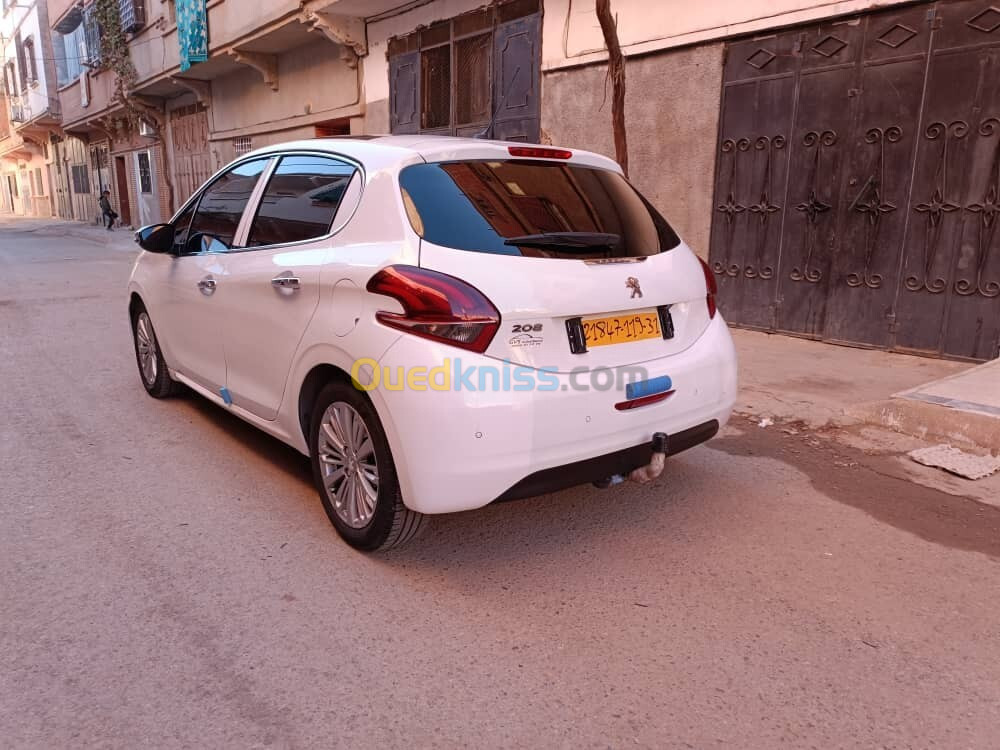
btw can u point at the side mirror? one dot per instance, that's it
(156, 238)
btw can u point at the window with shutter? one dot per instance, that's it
(515, 48)
(92, 37)
(404, 93)
(10, 79)
(22, 68)
(31, 67)
(81, 179)
(475, 75)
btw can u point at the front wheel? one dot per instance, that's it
(152, 367)
(355, 474)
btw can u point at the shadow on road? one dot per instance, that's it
(864, 481)
(577, 518)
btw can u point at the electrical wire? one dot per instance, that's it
(44, 58)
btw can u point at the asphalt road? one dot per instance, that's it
(168, 579)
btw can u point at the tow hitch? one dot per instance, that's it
(646, 473)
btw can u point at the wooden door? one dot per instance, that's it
(124, 202)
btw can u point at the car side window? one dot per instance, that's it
(301, 200)
(222, 204)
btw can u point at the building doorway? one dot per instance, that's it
(121, 180)
(147, 201)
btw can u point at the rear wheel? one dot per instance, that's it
(355, 474)
(152, 368)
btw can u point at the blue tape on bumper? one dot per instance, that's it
(225, 396)
(650, 387)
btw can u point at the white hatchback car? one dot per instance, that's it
(439, 323)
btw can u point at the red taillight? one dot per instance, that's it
(537, 152)
(711, 288)
(436, 306)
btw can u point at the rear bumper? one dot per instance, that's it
(457, 450)
(595, 469)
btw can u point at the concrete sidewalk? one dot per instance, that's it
(883, 404)
(793, 378)
(823, 385)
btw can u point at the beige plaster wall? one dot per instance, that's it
(672, 113)
(311, 80)
(571, 34)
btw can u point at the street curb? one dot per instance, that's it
(933, 423)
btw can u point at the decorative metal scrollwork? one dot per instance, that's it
(988, 210)
(871, 204)
(763, 208)
(813, 207)
(731, 209)
(935, 207)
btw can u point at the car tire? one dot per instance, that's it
(152, 368)
(351, 464)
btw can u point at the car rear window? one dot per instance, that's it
(568, 211)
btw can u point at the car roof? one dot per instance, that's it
(380, 151)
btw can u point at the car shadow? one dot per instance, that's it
(281, 456)
(529, 531)
(558, 530)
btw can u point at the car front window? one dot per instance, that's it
(222, 204)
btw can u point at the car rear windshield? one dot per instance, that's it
(532, 208)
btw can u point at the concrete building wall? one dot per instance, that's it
(22, 148)
(36, 96)
(88, 94)
(672, 112)
(58, 8)
(315, 85)
(572, 35)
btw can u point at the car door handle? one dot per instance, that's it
(207, 286)
(286, 281)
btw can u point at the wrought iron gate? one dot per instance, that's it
(858, 181)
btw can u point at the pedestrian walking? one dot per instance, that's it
(109, 213)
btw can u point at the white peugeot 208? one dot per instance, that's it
(439, 323)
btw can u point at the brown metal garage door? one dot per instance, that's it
(858, 181)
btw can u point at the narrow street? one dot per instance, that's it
(169, 579)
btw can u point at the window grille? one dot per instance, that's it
(132, 14)
(243, 145)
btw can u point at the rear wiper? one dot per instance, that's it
(594, 240)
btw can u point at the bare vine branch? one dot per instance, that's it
(616, 74)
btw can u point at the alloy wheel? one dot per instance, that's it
(145, 342)
(348, 464)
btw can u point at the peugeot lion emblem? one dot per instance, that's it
(633, 283)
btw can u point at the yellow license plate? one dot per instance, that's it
(621, 329)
